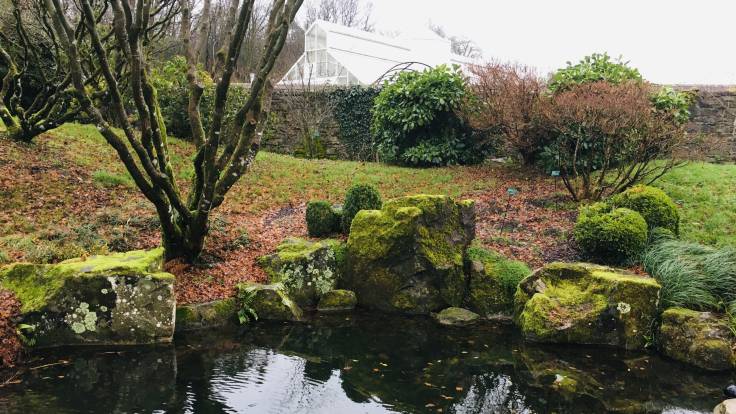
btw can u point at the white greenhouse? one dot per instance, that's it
(340, 55)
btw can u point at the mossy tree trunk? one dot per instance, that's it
(219, 160)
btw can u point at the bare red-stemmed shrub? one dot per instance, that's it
(508, 100)
(607, 137)
(10, 345)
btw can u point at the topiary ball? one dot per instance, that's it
(611, 236)
(322, 220)
(359, 197)
(653, 204)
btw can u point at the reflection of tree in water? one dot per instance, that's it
(492, 393)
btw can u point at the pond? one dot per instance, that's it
(360, 364)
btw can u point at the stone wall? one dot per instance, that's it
(293, 113)
(712, 128)
(713, 122)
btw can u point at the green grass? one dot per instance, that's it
(107, 179)
(276, 179)
(706, 194)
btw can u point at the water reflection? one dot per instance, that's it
(361, 364)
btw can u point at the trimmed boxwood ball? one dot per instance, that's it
(653, 204)
(359, 197)
(322, 220)
(611, 236)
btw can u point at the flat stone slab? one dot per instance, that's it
(456, 317)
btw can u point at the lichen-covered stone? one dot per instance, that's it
(208, 315)
(703, 339)
(269, 302)
(408, 256)
(493, 282)
(306, 269)
(586, 304)
(726, 407)
(456, 317)
(337, 300)
(122, 298)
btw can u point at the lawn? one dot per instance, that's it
(68, 195)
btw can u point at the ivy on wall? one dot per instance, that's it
(353, 111)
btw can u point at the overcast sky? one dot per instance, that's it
(670, 41)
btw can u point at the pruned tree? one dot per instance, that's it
(35, 95)
(223, 152)
(345, 12)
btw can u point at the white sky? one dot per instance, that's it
(669, 41)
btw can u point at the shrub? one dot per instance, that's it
(692, 275)
(359, 197)
(611, 236)
(417, 112)
(653, 204)
(606, 138)
(322, 220)
(507, 103)
(594, 68)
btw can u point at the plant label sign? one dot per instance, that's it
(512, 191)
(556, 173)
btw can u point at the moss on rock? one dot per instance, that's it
(456, 317)
(703, 339)
(269, 302)
(337, 300)
(208, 315)
(493, 282)
(306, 269)
(586, 304)
(122, 298)
(408, 256)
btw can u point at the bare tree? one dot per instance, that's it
(28, 110)
(345, 12)
(459, 45)
(308, 107)
(224, 152)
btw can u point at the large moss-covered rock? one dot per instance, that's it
(408, 256)
(208, 315)
(306, 269)
(586, 304)
(493, 282)
(123, 298)
(702, 339)
(269, 302)
(337, 300)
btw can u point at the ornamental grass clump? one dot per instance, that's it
(611, 236)
(692, 275)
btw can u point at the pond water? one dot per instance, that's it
(360, 364)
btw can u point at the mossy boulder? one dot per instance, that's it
(337, 300)
(208, 315)
(408, 256)
(269, 302)
(456, 317)
(703, 339)
(307, 270)
(493, 282)
(580, 303)
(123, 298)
